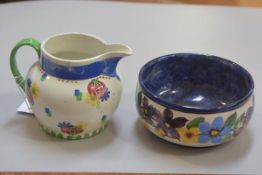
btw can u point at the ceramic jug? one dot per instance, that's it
(74, 88)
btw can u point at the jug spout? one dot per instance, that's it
(118, 50)
(113, 55)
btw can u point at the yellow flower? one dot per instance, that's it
(188, 135)
(145, 125)
(81, 125)
(161, 132)
(92, 100)
(35, 90)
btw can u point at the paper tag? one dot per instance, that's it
(25, 108)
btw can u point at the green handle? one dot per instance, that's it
(20, 80)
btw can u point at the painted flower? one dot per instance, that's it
(145, 125)
(243, 121)
(173, 122)
(156, 119)
(96, 88)
(104, 118)
(92, 100)
(82, 125)
(78, 94)
(149, 111)
(248, 115)
(28, 92)
(105, 96)
(35, 90)
(48, 112)
(161, 132)
(144, 103)
(190, 135)
(64, 125)
(171, 132)
(29, 82)
(68, 128)
(213, 132)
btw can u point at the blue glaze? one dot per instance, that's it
(104, 67)
(196, 83)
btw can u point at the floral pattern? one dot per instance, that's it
(214, 132)
(32, 91)
(72, 136)
(97, 92)
(91, 100)
(78, 94)
(35, 90)
(96, 88)
(195, 131)
(28, 91)
(243, 120)
(190, 135)
(104, 118)
(68, 128)
(105, 96)
(48, 112)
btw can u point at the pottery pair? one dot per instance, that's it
(188, 99)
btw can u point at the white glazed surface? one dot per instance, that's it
(58, 96)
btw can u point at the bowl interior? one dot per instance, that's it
(196, 83)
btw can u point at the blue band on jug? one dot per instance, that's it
(105, 67)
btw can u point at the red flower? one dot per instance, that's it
(96, 88)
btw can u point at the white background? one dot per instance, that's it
(151, 30)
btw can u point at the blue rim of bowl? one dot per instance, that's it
(185, 109)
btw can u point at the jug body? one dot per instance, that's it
(72, 109)
(72, 92)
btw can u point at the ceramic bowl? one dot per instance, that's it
(194, 100)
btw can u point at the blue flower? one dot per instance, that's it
(47, 110)
(213, 132)
(64, 125)
(77, 92)
(104, 118)
(29, 82)
(249, 113)
(105, 96)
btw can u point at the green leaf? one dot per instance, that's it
(240, 118)
(49, 114)
(97, 104)
(227, 138)
(79, 97)
(53, 133)
(78, 137)
(69, 137)
(95, 81)
(195, 122)
(231, 119)
(60, 136)
(86, 135)
(46, 130)
(139, 98)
